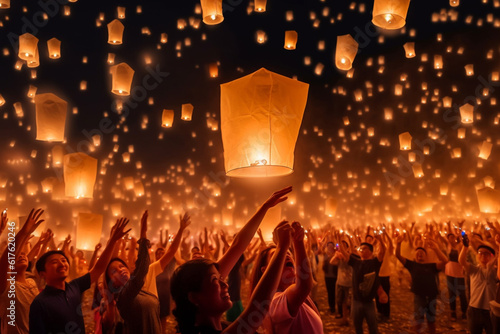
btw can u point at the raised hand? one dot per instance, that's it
(3, 221)
(33, 221)
(97, 247)
(118, 230)
(298, 232)
(184, 221)
(283, 234)
(277, 197)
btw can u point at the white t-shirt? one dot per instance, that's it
(482, 286)
(150, 280)
(25, 293)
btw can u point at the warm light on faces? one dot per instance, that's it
(56, 267)
(118, 273)
(213, 297)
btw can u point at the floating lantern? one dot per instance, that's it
(418, 172)
(456, 153)
(489, 200)
(467, 113)
(261, 36)
(187, 112)
(80, 172)
(485, 150)
(126, 157)
(167, 118)
(438, 62)
(291, 37)
(443, 189)
(4, 4)
(345, 52)
(57, 156)
(454, 3)
(50, 117)
(54, 47)
(447, 102)
(2, 100)
(461, 133)
(32, 91)
(261, 115)
(115, 32)
(260, 5)
(138, 188)
(122, 76)
(163, 38)
(331, 206)
(128, 182)
(409, 49)
(390, 14)
(120, 12)
(405, 141)
(469, 70)
(212, 11)
(213, 69)
(111, 58)
(88, 230)
(28, 47)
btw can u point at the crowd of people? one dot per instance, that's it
(41, 284)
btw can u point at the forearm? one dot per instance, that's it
(304, 279)
(170, 253)
(462, 258)
(103, 261)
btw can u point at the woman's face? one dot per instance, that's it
(118, 273)
(288, 273)
(213, 297)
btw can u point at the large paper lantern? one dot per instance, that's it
(409, 49)
(115, 32)
(489, 200)
(80, 172)
(271, 219)
(54, 47)
(88, 230)
(485, 150)
(390, 14)
(261, 115)
(50, 117)
(291, 37)
(345, 52)
(167, 118)
(260, 5)
(331, 206)
(405, 141)
(467, 113)
(212, 11)
(28, 47)
(418, 172)
(122, 76)
(4, 4)
(187, 112)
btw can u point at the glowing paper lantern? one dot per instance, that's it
(261, 36)
(261, 115)
(469, 70)
(485, 150)
(331, 206)
(115, 32)
(120, 12)
(80, 172)
(489, 200)
(417, 170)
(260, 5)
(28, 47)
(443, 189)
(345, 52)
(122, 76)
(454, 3)
(4, 4)
(291, 37)
(50, 117)
(57, 156)
(409, 49)
(271, 219)
(187, 112)
(390, 14)
(212, 11)
(213, 69)
(467, 113)
(54, 47)
(167, 118)
(405, 141)
(88, 230)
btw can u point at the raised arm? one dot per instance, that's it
(381, 251)
(497, 241)
(462, 258)
(245, 235)
(184, 222)
(399, 240)
(443, 260)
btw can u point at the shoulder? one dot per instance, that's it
(82, 283)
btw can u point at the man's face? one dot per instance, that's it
(365, 252)
(484, 256)
(420, 256)
(56, 268)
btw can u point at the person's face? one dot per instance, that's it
(288, 273)
(159, 253)
(451, 239)
(365, 252)
(56, 268)
(118, 273)
(213, 298)
(330, 248)
(484, 256)
(420, 256)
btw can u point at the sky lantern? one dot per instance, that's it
(4, 4)
(28, 46)
(456, 153)
(57, 156)
(115, 32)
(461, 133)
(345, 52)
(405, 141)
(291, 37)
(80, 172)
(485, 150)
(261, 36)
(469, 70)
(120, 12)
(213, 70)
(260, 5)
(467, 113)
(50, 117)
(128, 182)
(331, 206)
(390, 14)
(489, 200)
(443, 189)
(438, 62)
(122, 76)
(454, 3)
(212, 11)
(271, 219)
(418, 172)
(88, 230)
(409, 49)
(187, 112)
(447, 102)
(261, 115)
(54, 47)
(167, 118)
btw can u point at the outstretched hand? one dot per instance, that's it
(33, 221)
(117, 231)
(144, 224)
(282, 234)
(184, 221)
(277, 197)
(298, 232)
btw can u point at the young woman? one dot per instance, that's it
(200, 292)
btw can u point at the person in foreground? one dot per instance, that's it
(201, 293)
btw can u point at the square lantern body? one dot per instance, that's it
(88, 230)
(50, 117)
(345, 52)
(115, 32)
(121, 75)
(212, 11)
(80, 172)
(167, 118)
(261, 115)
(390, 14)
(489, 200)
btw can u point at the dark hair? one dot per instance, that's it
(107, 279)
(491, 250)
(40, 264)
(367, 244)
(421, 248)
(258, 264)
(188, 278)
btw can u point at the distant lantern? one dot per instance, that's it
(469, 70)
(28, 47)
(88, 231)
(126, 157)
(187, 112)
(32, 91)
(438, 62)
(80, 172)
(50, 117)
(390, 14)
(163, 38)
(212, 11)
(345, 52)
(57, 156)
(461, 133)
(331, 206)
(261, 115)
(111, 58)
(489, 200)
(122, 76)
(128, 182)
(456, 153)
(447, 102)
(418, 172)
(405, 141)
(261, 36)
(120, 12)
(138, 188)
(467, 113)
(409, 49)
(291, 37)
(443, 189)
(4, 4)
(115, 32)
(454, 3)
(260, 5)
(213, 70)
(167, 118)
(54, 47)
(485, 150)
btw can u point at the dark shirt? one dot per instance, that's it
(424, 278)
(365, 280)
(234, 280)
(329, 269)
(59, 311)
